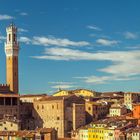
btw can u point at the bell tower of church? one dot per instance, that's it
(11, 51)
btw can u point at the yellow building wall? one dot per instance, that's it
(61, 93)
(79, 92)
(10, 126)
(84, 92)
(83, 134)
(95, 133)
(109, 134)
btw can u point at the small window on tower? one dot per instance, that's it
(14, 38)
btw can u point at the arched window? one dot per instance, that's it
(14, 37)
(9, 37)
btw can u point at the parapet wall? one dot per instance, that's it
(4, 87)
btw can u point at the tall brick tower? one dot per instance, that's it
(11, 50)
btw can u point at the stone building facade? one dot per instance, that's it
(117, 110)
(95, 111)
(64, 113)
(11, 124)
(26, 107)
(130, 98)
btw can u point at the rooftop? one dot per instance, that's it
(32, 95)
(9, 95)
(134, 130)
(50, 98)
(114, 120)
(26, 133)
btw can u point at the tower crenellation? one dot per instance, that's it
(4, 87)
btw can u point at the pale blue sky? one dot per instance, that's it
(70, 44)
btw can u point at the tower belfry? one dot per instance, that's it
(11, 51)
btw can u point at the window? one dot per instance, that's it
(52, 106)
(14, 37)
(89, 108)
(58, 118)
(42, 106)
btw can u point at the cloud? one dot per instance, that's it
(94, 27)
(6, 17)
(52, 41)
(104, 79)
(106, 42)
(130, 35)
(72, 54)
(134, 47)
(64, 54)
(62, 85)
(22, 30)
(2, 37)
(25, 40)
(23, 14)
(99, 36)
(129, 67)
(124, 65)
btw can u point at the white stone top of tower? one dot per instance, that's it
(11, 27)
(11, 44)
